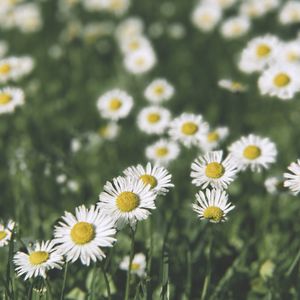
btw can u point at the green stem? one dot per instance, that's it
(29, 295)
(49, 290)
(293, 265)
(149, 284)
(91, 294)
(62, 295)
(106, 281)
(127, 291)
(208, 272)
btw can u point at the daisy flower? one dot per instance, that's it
(224, 4)
(118, 7)
(252, 9)
(127, 200)
(292, 179)
(133, 44)
(290, 13)
(254, 151)
(140, 61)
(235, 27)
(158, 91)
(129, 28)
(213, 138)
(42, 258)
(153, 119)
(6, 232)
(259, 53)
(281, 81)
(115, 104)
(290, 53)
(188, 129)
(274, 184)
(162, 152)
(138, 264)
(232, 86)
(110, 131)
(82, 236)
(10, 98)
(213, 205)
(157, 177)
(211, 169)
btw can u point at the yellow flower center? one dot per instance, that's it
(134, 45)
(236, 86)
(153, 118)
(263, 50)
(214, 170)
(38, 257)
(115, 104)
(4, 98)
(213, 213)
(135, 266)
(213, 137)
(293, 56)
(206, 18)
(3, 235)
(159, 89)
(282, 80)
(127, 201)
(140, 61)
(252, 152)
(4, 69)
(189, 128)
(82, 233)
(103, 131)
(162, 151)
(148, 179)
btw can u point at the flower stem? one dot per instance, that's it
(293, 265)
(106, 281)
(208, 272)
(62, 295)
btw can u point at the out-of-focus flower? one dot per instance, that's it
(232, 86)
(292, 179)
(138, 264)
(158, 91)
(6, 232)
(235, 27)
(290, 13)
(10, 98)
(213, 138)
(109, 131)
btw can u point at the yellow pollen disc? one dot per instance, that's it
(263, 50)
(82, 233)
(38, 257)
(214, 170)
(281, 80)
(134, 45)
(103, 131)
(148, 179)
(159, 89)
(162, 151)
(292, 56)
(206, 18)
(252, 152)
(4, 69)
(115, 104)
(3, 235)
(213, 136)
(213, 213)
(140, 61)
(153, 118)
(135, 266)
(127, 201)
(4, 98)
(189, 128)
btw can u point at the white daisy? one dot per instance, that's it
(224, 4)
(6, 232)
(162, 152)
(159, 90)
(127, 200)
(153, 119)
(213, 138)
(213, 205)
(274, 184)
(10, 98)
(42, 258)
(281, 81)
(292, 179)
(129, 28)
(82, 236)
(254, 151)
(232, 86)
(138, 265)
(157, 177)
(109, 131)
(133, 44)
(206, 16)
(211, 169)
(115, 104)
(235, 27)
(118, 7)
(290, 53)
(188, 129)
(290, 13)
(259, 53)
(252, 8)
(140, 61)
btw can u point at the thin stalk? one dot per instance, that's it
(208, 272)
(62, 295)
(29, 295)
(49, 289)
(127, 291)
(91, 294)
(149, 283)
(293, 265)
(106, 282)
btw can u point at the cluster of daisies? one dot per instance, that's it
(83, 236)
(19, 14)
(11, 70)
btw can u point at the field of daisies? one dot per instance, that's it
(149, 149)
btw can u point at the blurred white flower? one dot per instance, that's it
(290, 13)
(138, 264)
(292, 179)
(10, 98)
(235, 27)
(159, 90)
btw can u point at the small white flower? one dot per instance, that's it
(153, 120)
(138, 264)
(6, 232)
(213, 205)
(133, 44)
(224, 4)
(290, 13)
(42, 258)
(162, 152)
(158, 91)
(115, 104)
(254, 151)
(292, 179)
(110, 131)
(82, 236)
(129, 28)
(127, 200)
(157, 177)
(10, 98)
(118, 7)
(274, 184)
(211, 169)
(235, 27)
(252, 8)
(232, 86)
(290, 53)
(213, 138)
